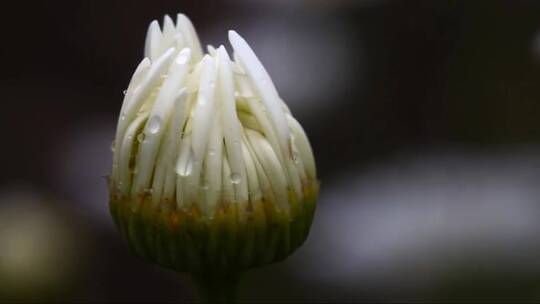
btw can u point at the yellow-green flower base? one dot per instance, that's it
(230, 241)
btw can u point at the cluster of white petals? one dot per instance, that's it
(202, 129)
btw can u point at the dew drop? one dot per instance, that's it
(236, 178)
(202, 101)
(292, 148)
(123, 116)
(124, 92)
(296, 157)
(154, 125)
(186, 170)
(140, 137)
(184, 167)
(211, 152)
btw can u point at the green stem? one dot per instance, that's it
(217, 288)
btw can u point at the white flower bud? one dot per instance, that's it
(207, 152)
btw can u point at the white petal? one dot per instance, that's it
(302, 142)
(272, 167)
(161, 183)
(158, 119)
(212, 179)
(263, 85)
(211, 50)
(125, 152)
(255, 194)
(184, 169)
(153, 40)
(204, 106)
(179, 119)
(169, 33)
(184, 26)
(140, 72)
(227, 195)
(231, 126)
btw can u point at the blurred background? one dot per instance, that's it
(424, 117)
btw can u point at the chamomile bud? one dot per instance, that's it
(211, 172)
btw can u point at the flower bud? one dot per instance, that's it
(211, 172)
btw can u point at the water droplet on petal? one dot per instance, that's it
(140, 137)
(184, 167)
(296, 157)
(113, 144)
(211, 152)
(293, 150)
(154, 125)
(236, 178)
(202, 101)
(186, 170)
(124, 92)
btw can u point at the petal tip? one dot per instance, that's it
(167, 18)
(154, 25)
(233, 35)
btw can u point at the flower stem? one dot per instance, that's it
(217, 287)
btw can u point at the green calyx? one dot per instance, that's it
(230, 241)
